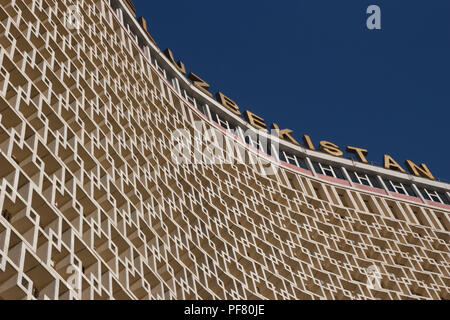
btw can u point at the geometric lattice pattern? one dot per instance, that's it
(94, 207)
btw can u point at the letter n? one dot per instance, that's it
(420, 171)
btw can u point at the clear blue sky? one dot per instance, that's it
(314, 67)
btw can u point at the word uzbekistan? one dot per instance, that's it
(286, 134)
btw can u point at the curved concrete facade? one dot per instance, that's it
(113, 184)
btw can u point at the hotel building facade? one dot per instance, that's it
(113, 184)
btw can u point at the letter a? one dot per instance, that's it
(374, 21)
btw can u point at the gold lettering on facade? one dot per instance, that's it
(390, 163)
(255, 121)
(359, 153)
(420, 171)
(331, 148)
(200, 84)
(308, 142)
(179, 65)
(228, 103)
(285, 134)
